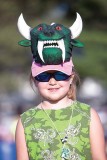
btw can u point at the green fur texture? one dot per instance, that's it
(55, 43)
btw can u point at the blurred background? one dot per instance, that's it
(16, 94)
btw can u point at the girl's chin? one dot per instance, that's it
(55, 98)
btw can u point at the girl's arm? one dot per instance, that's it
(97, 137)
(21, 148)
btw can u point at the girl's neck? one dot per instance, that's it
(63, 103)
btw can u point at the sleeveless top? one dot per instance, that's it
(43, 141)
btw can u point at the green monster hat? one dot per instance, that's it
(50, 44)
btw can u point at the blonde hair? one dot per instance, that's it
(72, 93)
(73, 86)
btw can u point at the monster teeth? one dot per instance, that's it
(40, 49)
(62, 47)
(51, 44)
(49, 41)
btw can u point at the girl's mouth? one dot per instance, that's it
(53, 89)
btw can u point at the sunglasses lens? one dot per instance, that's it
(60, 76)
(45, 76)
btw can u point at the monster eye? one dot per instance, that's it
(58, 28)
(40, 29)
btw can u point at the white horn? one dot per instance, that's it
(24, 29)
(52, 23)
(76, 28)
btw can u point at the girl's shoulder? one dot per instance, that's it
(82, 109)
(82, 106)
(27, 115)
(28, 112)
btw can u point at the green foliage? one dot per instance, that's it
(93, 61)
(92, 11)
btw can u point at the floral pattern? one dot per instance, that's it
(46, 136)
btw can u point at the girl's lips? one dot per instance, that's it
(53, 89)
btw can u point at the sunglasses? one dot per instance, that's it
(45, 76)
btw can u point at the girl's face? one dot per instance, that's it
(53, 90)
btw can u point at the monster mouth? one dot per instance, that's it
(51, 44)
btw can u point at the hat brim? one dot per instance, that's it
(37, 68)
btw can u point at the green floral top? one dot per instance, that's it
(43, 138)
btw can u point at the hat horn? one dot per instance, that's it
(24, 29)
(76, 28)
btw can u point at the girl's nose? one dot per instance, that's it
(52, 81)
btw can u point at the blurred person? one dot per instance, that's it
(14, 120)
(7, 141)
(60, 127)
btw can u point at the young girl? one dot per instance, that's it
(60, 127)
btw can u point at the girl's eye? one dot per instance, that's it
(58, 28)
(40, 29)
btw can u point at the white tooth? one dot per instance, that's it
(40, 49)
(62, 47)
